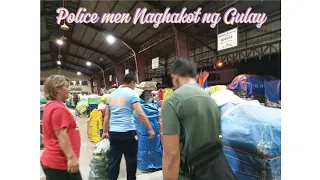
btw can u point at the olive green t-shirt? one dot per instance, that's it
(193, 115)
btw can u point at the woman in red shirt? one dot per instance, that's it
(61, 136)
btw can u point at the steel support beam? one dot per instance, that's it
(141, 59)
(67, 62)
(75, 56)
(65, 68)
(119, 73)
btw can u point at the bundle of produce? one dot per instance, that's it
(69, 103)
(149, 150)
(82, 107)
(98, 164)
(240, 93)
(43, 100)
(252, 139)
(273, 93)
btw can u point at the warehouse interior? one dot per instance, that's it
(95, 57)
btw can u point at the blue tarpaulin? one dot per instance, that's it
(252, 140)
(149, 150)
(273, 90)
(251, 84)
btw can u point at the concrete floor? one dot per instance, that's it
(86, 153)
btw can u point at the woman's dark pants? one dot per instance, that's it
(56, 174)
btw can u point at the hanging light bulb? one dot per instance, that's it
(59, 42)
(219, 64)
(111, 39)
(64, 27)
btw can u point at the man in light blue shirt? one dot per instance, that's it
(119, 126)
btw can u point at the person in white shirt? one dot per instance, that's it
(102, 105)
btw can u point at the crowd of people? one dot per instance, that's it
(192, 147)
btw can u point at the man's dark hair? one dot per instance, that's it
(130, 77)
(184, 67)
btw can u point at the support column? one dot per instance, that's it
(181, 42)
(98, 83)
(119, 73)
(106, 78)
(91, 84)
(141, 58)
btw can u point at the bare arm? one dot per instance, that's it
(142, 116)
(171, 137)
(106, 120)
(171, 157)
(65, 143)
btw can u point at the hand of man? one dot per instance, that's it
(73, 165)
(105, 135)
(151, 134)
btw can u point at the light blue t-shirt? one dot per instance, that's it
(121, 112)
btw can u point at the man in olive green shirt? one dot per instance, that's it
(190, 119)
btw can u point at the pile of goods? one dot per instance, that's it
(149, 150)
(251, 136)
(250, 87)
(95, 126)
(148, 85)
(273, 93)
(93, 101)
(98, 164)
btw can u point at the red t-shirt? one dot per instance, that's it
(57, 116)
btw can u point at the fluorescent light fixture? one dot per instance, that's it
(59, 42)
(79, 73)
(111, 39)
(59, 62)
(88, 63)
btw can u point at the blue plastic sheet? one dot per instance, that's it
(273, 90)
(252, 140)
(149, 150)
(252, 84)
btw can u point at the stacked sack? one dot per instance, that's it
(149, 150)
(251, 136)
(98, 164)
(95, 126)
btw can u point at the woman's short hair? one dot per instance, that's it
(52, 84)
